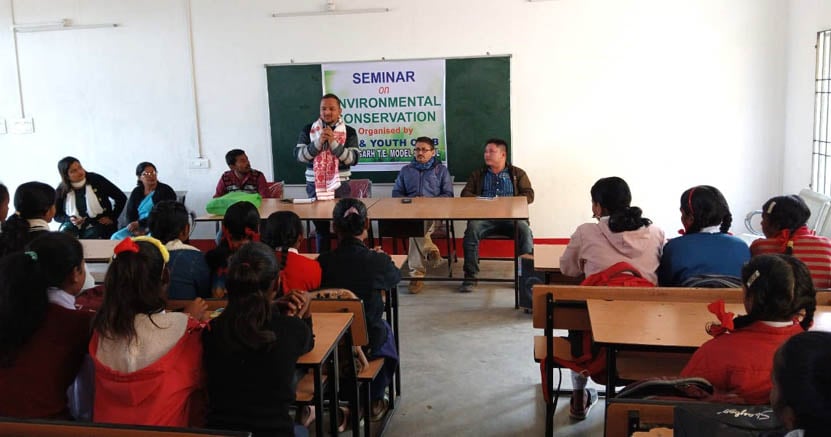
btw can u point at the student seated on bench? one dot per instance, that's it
(148, 362)
(706, 254)
(622, 248)
(801, 394)
(252, 348)
(42, 342)
(784, 221)
(496, 178)
(778, 288)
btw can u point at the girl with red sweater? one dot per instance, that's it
(148, 362)
(784, 221)
(284, 233)
(42, 342)
(738, 361)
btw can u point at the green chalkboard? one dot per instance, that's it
(477, 107)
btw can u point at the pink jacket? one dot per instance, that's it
(594, 248)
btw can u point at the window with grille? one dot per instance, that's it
(821, 178)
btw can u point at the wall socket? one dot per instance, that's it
(200, 163)
(22, 126)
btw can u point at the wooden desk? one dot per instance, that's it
(457, 208)
(450, 208)
(328, 329)
(98, 250)
(317, 210)
(660, 326)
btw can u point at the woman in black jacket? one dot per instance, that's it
(87, 204)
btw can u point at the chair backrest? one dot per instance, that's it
(819, 205)
(274, 191)
(360, 336)
(360, 188)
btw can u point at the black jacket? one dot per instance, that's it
(104, 190)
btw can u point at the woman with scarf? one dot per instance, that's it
(784, 221)
(329, 148)
(148, 192)
(87, 204)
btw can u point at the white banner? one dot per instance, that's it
(390, 104)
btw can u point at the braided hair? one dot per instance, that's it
(707, 207)
(614, 197)
(778, 288)
(785, 213)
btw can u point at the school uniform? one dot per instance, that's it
(813, 250)
(299, 272)
(250, 389)
(594, 248)
(740, 362)
(190, 276)
(35, 385)
(707, 252)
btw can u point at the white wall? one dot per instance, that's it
(666, 94)
(807, 17)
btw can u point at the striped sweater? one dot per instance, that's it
(813, 250)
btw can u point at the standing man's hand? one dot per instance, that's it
(327, 138)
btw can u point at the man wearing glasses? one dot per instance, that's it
(425, 176)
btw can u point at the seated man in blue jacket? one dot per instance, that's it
(425, 176)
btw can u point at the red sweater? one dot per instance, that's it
(740, 362)
(35, 386)
(299, 273)
(813, 250)
(165, 393)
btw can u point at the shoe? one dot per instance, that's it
(416, 285)
(580, 413)
(344, 419)
(379, 409)
(468, 285)
(306, 416)
(434, 258)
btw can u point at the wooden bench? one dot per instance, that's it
(47, 428)
(564, 307)
(627, 416)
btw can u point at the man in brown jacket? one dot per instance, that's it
(496, 178)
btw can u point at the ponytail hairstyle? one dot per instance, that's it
(32, 200)
(58, 254)
(802, 381)
(240, 223)
(785, 213)
(707, 207)
(283, 229)
(251, 276)
(349, 218)
(614, 197)
(167, 220)
(140, 169)
(135, 284)
(777, 288)
(23, 303)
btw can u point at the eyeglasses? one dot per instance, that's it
(148, 173)
(423, 150)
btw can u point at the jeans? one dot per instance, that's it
(90, 230)
(479, 229)
(323, 234)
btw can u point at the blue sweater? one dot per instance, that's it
(433, 182)
(701, 254)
